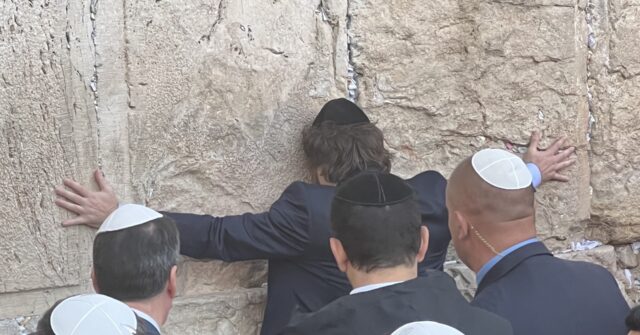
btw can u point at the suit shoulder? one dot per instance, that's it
(335, 313)
(490, 321)
(429, 176)
(301, 187)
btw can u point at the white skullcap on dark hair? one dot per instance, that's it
(501, 169)
(127, 216)
(93, 314)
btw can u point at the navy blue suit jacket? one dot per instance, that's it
(542, 294)
(294, 236)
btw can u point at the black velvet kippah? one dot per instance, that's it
(374, 189)
(342, 112)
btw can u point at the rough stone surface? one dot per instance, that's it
(614, 82)
(239, 312)
(46, 128)
(464, 277)
(198, 106)
(446, 78)
(197, 277)
(19, 326)
(627, 259)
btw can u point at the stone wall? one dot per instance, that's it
(197, 105)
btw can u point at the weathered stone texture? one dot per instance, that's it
(238, 312)
(446, 78)
(614, 81)
(197, 106)
(45, 133)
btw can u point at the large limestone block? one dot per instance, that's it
(217, 95)
(615, 85)
(446, 78)
(202, 277)
(46, 125)
(236, 312)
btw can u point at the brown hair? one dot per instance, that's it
(340, 151)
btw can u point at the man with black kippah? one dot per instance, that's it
(379, 239)
(293, 234)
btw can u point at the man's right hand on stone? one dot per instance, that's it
(91, 207)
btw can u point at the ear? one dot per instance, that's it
(94, 281)
(462, 225)
(172, 285)
(424, 243)
(339, 254)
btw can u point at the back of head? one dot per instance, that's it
(633, 319)
(376, 218)
(501, 195)
(342, 141)
(134, 263)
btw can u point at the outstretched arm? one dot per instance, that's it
(282, 232)
(91, 207)
(550, 161)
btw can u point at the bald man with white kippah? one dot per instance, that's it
(492, 223)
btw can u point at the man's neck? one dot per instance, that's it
(391, 275)
(151, 309)
(485, 257)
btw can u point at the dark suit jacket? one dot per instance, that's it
(541, 294)
(294, 236)
(382, 311)
(146, 327)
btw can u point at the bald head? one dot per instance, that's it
(468, 193)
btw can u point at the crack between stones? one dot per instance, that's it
(591, 44)
(219, 18)
(127, 62)
(353, 87)
(93, 83)
(526, 5)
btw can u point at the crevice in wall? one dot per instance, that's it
(353, 87)
(93, 83)
(221, 7)
(591, 45)
(130, 102)
(127, 63)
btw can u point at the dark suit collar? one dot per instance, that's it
(511, 261)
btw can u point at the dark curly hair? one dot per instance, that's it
(340, 151)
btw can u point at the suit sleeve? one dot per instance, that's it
(282, 232)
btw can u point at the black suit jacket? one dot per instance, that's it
(294, 236)
(382, 311)
(147, 327)
(541, 294)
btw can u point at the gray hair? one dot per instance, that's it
(134, 264)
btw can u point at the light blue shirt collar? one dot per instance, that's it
(492, 262)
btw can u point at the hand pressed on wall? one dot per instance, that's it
(91, 207)
(552, 160)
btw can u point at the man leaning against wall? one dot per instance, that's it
(293, 234)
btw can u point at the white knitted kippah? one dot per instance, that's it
(426, 328)
(93, 314)
(127, 216)
(501, 169)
